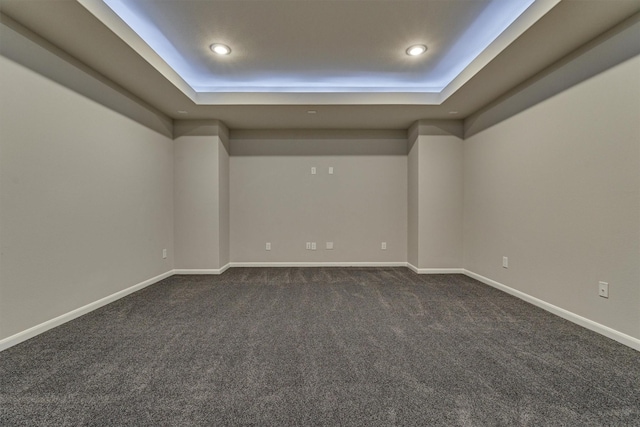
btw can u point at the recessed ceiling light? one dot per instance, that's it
(182, 112)
(453, 112)
(311, 111)
(220, 49)
(416, 50)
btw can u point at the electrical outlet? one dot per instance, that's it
(330, 170)
(313, 246)
(329, 245)
(383, 246)
(505, 262)
(164, 253)
(308, 246)
(603, 289)
(268, 246)
(313, 170)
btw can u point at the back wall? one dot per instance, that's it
(275, 198)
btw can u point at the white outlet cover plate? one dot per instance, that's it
(603, 289)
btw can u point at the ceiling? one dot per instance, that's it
(345, 60)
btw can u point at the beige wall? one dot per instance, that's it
(413, 166)
(556, 188)
(440, 203)
(224, 196)
(201, 195)
(274, 197)
(435, 195)
(24, 47)
(85, 200)
(196, 202)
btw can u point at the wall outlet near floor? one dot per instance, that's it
(308, 246)
(313, 246)
(603, 289)
(267, 247)
(329, 245)
(383, 246)
(164, 253)
(505, 262)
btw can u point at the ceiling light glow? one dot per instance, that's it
(416, 50)
(221, 49)
(486, 27)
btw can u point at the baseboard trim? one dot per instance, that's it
(73, 314)
(435, 270)
(565, 314)
(608, 332)
(202, 270)
(319, 264)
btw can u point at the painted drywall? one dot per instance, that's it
(85, 200)
(440, 201)
(435, 194)
(556, 189)
(201, 195)
(276, 199)
(611, 48)
(413, 202)
(224, 196)
(27, 48)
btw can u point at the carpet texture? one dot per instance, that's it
(319, 346)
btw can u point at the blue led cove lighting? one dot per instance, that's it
(496, 17)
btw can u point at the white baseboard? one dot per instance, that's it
(319, 264)
(565, 314)
(435, 270)
(64, 318)
(202, 270)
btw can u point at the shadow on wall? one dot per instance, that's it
(318, 142)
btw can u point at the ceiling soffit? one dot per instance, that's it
(292, 76)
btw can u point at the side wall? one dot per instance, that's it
(413, 212)
(556, 189)
(201, 195)
(224, 191)
(440, 203)
(276, 199)
(85, 200)
(435, 196)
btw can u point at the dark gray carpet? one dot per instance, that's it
(321, 346)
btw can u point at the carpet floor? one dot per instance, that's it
(319, 346)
